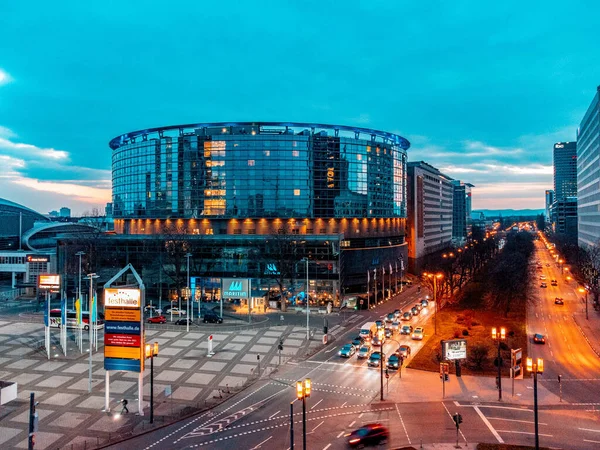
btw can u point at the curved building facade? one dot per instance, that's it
(235, 184)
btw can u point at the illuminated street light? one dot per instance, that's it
(303, 389)
(582, 290)
(434, 277)
(151, 352)
(499, 336)
(535, 368)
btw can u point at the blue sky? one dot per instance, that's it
(482, 92)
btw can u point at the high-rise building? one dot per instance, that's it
(549, 201)
(65, 212)
(461, 210)
(429, 211)
(565, 170)
(588, 175)
(564, 217)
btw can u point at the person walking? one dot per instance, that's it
(124, 403)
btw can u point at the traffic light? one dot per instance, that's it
(387, 375)
(307, 387)
(299, 390)
(446, 377)
(280, 346)
(457, 419)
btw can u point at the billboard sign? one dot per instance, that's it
(51, 282)
(122, 298)
(38, 258)
(454, 349)
(235, 287)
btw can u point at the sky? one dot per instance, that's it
(481, 91)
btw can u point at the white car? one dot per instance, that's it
(418, 334)
(176, 311)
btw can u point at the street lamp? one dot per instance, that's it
(561, 261)
(91, 277)
(151, 352)
(307, 302)
(434, 277)
(187, 307)
(303, 389)
(582, 290)
(499, 336)
(535, 368)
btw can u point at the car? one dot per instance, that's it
(374, 359)
(425, 303)
(364, 352)
(418, 306)
(379, 324)
(395, 325)
(407, 315)
(406, 329)
(542, 277)
(176, 311)
(157, 319)
(183, 322)
(152, 309)
(390, 317)
(404, 351)
(389, 332)
(418, 334)
(393, 361)
(376, 341)
(347, 351)
(212, 317)
(369, 434)
(357, 342)
(414, 311)
(554, 283)
(543, 285)
(397, 313)
(539, 338)
(558, 301)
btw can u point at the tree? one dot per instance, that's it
(478, 356)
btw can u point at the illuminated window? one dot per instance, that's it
(251, 162)
(295, 153)
(208, 231)
(296, 192)
(267, 152)
(196, 231)
(359, 157)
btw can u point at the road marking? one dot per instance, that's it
(340, 435)
(270, 417)
(595, 442)
(327, 446)
(514, 420)
(344, 404)
(450, 415)
(351, 424)
(497, 407)
(403, 426)
(258, 446)
(489, 425)
(361, 414)
(330, 350)
(523, 432)
(313, 430)
(589, 429)
(315, 405)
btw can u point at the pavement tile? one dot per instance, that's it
(161, 342)
(196, 353)
(20, 364)
(69, 420)
(240, 338)
(195, 336)
(292, 342)
(289, 350)
(261, 348)
(54, 381)
(272, 333)
(5, 375)
(267, 340)
(213, 366)
(186, 393)
(226, 354)
(61, 399)
(24, 416)
(183, 363)
(234, 347)
(24, 394)
(93, 402)
(170, 334)
(18, 351)
(249, 332)
(42, 440)
(5, 360)
(232, 381)
(251, 358)
(169, 351)
(7, 434)
(77, 368)
(182, 343)
(136, 375)
(107, 422)
(220, 337)
(119, 386)
(168, 375)
(49, 366)
(245, 369)
(200, 378)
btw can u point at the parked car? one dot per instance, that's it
(558, 301)
(418, 334)
(183, 322)
(212, 318)
(404, 351)
(406, 329)
(407, 315)
(370, 434)
(157, 319)
(425, 303)
(364, 352)
(347, 351)
(539, 338)
(374, 359)
(176, 311)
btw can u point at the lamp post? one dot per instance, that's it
(434, 277)
(187, 308)
(151, 352)
(91, 277)
(80, 254)
(535, 368)
(561, 261)
(307, 302)
(582, 290)
(303, 389)
(499, 335)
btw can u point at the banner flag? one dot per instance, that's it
(94, 308)
(46, 318)
(78, 311)
(63, 312)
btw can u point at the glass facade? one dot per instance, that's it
(255, 171)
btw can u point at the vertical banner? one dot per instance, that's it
(78, 310)
(63, 323)
(46, 309)
(94, 320)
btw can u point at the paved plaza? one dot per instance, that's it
(69, 416)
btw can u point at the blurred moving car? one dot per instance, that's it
(404, 351)
(390, 317)
(175, 311)
(157, 319)
(357, 342)
(379, 324)
(397, 313)
(542, 277)
(347, 351)
(418, 334)
(414, 311)
(184, 322)
(406, 329)
(369, 434)
(418, 306)
(212, 317)
(376, 341)
(558, 301)
(374, 359)
(364, 352)
(539, 338)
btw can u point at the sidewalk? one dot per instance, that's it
(590, 328)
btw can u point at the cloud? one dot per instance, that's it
(77, 191)
(19, 148)
(5, 78)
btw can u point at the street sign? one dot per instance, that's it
(454, 349)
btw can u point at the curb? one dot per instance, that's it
(585, 337)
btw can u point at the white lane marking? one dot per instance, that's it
(315, 405)
(351, 424)
(489, 425)
(327, 446)
(514, 420)
(594, 442)
(403, 426)
(361, 414)
(499, 407)
(313, 430)
(270, 417)
(589, 429)
(344, 404)
(340, 435)
(450, 415)
(258, 446)
(523, 432)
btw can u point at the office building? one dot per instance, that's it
(588, 175)
(461, 211)
(565, 170)
(564, 218)
(65, 212)
(549, 201)
(429, 210)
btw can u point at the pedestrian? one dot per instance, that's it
(124, 403)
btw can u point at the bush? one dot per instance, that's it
(475, 323)
(478, 356)
(465, 332)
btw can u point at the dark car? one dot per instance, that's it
(157, 319)
(404, 351)
(183, 322)
(397, 313)
(539, 338)
(554, 283)
(418, 306)
(212, 318)
(558, 301)
(393, 361)
(357, 342)
(390, 317)
(414, 311)
(376, 341)
(543, 285)
(406, 329)
(379, 324)
(374, 359)
(407, 315)
(370, 434)
(389, 332)
(424, 303)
